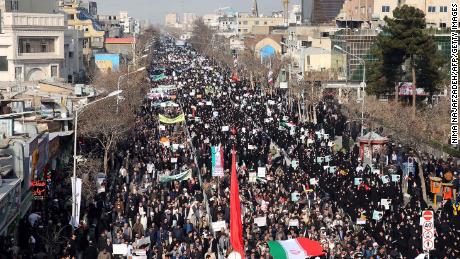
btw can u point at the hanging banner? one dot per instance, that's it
(167, 120)
(186, 175)
(76, 199)
(217, 161)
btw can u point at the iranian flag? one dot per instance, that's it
(299, 248)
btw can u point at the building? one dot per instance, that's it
(295, 15)
(123, 46)
(265, 46)
(357, 42)
(438, 12)
(111, 25)
(29, 6)
(325, 11)
(315, 39)
(307, 11)
(128, 23)
(247, 22)
(32, 46)
(73, 67)
(356, 14)
(172, 20)
(78, 18)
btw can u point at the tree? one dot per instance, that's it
(100, 121)
(404, 39)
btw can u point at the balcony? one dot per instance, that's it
(20, 20)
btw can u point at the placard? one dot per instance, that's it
(261, 171)
(173, 159)
(293, 222)
(120, 249)
(294, 164)
(313, 181)
(385, 179)
(260, 221)
(358, 180)
(327, 159)
(215, 114)
(225, 128)
(219, 225)
(360, 221)
(143, 241)
(395, 177)
(252, 177)
(332, 169)
(162, 127)
(385, 203)
(295, 196)
(377, 215)
(251, 147)
(319, 160)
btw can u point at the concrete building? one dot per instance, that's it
(437, 12)
(356, 14)
(127, 23)
(111, 25)
(316, 40)
(325, 11)
(79, 18)
(246, 22)
(73, 68)
(123, 46)
(356, 42)
(171, 20)
(29, 6)
(32, 46)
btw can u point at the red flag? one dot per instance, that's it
(236, 227)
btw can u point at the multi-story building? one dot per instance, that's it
(356, 14)
(172, 20)
(247, 22)
(325, 11)
(79, 18)
(111, 24)
(127, 23)
(72, 68)
(32, 46)
(437, 12)
(305, 44)
(358, 43)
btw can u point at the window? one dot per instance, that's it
(53, 71)
(431, 9)
(443, 9)
(306, 44)
(308, 60)
(36, 45)
(256, 22)
(3, 63)
(72, 17)
(442, 25)
(18, 73)
(385, 9)
(70, 54)
(245, 22)
(265, 23)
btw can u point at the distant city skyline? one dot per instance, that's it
(156, 10)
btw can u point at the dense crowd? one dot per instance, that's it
(164, 201)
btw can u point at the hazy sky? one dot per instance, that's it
(155, 10)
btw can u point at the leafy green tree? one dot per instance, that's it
(405, 39)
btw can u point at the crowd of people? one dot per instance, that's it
(295, 180)
(309, 187)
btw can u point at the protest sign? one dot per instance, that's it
(293, 222)
(173, 159)
(377, 215)
(252, 177)
(120, 249)
(294, 164)
(358, 180)
(143, 241)
(385, 179)
(260, 221)
(219, 225)
(295, 196)
(261, 172)
(225, 128)
(385, 203)
(395, 177)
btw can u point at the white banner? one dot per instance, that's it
(260, 221)
(76, 201)
(120, 249)
(219, 225)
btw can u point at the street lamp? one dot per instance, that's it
(363, 83)
(122, 76)
(74, 190)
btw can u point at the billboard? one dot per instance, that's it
(106, 62)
